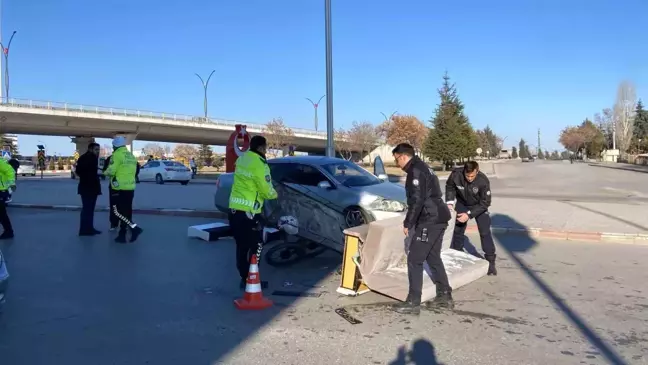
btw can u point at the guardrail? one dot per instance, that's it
(93, 109)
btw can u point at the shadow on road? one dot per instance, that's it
(516, 245)
(422, 353)
(606, 215)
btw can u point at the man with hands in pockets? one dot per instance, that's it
(425, 222)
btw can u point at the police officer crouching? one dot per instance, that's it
(425, 222)
(471, 188)
(252, 186)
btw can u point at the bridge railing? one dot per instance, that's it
(94, 109)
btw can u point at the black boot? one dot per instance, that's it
(408, 307)
(121, 237)
(135, 232)
(443, 299)
(492, 270)
(7, 235)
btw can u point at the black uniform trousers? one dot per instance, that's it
(114, 221)
(88, 204)
(483, 225)
(248, 235)
(425, 246)
(4, 217)
(122, 206)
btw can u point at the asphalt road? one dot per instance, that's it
(168, 300)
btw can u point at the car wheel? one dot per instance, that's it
(285, 254)
(158, 179)
(354, 216)
(34, 174)
(184, 182)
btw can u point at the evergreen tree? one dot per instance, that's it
(514, 153)
(524, 151)
(640, 132)
(528, 151)
(205, 155)
(451, 136)
(555, 155)
(541, 155)
(547, 155)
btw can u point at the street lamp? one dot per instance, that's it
(315, 105)
(390, 117)
(205, 85)
(330, 131)
(5, 52)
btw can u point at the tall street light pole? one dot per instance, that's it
(390, 117)
(330, 131)
(5, 53)
(205, 85)
(315, 105)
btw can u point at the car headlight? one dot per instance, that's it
(388, 205)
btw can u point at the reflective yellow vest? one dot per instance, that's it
(122, 169)
(7, 175)
(252, 184)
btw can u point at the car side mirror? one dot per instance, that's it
(383, 177)
(324, 185)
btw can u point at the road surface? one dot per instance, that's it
(168, 300)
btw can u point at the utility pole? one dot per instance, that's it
(205, 85)
(330, 131)
(539, 145)
(315, 105)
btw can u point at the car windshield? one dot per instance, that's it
(26, 163)
(349, 174)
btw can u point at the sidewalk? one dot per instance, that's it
(621, 166)
(583, 220)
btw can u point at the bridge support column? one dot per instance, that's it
(130, 137)
(82, 143)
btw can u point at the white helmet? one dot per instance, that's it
(288, 224)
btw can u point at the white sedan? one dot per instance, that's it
(165, 171)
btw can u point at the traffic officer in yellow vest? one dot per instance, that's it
(7, 183)
(252, 186)
(121, 171)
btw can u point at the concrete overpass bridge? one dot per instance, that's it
(84, 122)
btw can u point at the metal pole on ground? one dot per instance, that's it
(205, 85)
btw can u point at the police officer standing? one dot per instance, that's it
(425, 222)
(121, 171)
(471, 189)
(7, 183)
(252, 186)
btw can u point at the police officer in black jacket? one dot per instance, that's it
(471, 188)
(425, 222)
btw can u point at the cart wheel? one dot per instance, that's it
(313, 249)
(285, 254)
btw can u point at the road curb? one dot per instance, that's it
(620, 168)
(633, 238)
(629, 238)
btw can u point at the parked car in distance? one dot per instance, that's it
(4, 278)
(162, 171)
(26, 168)
(326, 195)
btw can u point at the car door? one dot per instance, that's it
(146, 171)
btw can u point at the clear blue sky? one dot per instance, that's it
(518, 65)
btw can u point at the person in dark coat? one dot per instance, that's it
(114, 221)
(89, 188)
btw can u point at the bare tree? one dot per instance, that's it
(278, 136)
(605, 122)
(185, 151)
(343, 144)
(153, 149)
(624, 109)
(364, 136)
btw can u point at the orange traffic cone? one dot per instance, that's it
(253, 298)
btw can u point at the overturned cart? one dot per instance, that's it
(375, 259)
